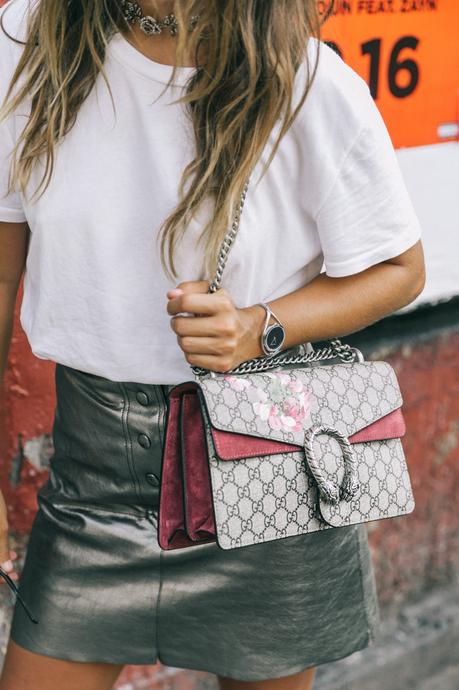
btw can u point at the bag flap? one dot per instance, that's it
(282, 405)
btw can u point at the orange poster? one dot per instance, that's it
(408, 53)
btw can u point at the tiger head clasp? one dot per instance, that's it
(328, 489)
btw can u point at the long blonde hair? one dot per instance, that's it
(244, 86)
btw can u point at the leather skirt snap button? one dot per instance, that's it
(142, 398)
(152, 479)
(144, 440)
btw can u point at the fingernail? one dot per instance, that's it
(7, 565)
(174, 293)
(13, 554)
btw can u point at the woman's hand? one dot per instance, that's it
(218, 336)
(6, 554)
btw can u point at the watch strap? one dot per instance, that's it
(269, 313)
(267, 328)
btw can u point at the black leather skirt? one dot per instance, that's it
(104, 591)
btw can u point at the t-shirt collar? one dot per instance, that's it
(128, 54)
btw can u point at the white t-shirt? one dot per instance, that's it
(94, 290)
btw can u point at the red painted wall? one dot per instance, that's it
(421, 550)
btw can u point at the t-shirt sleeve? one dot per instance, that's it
(367, 215)
(11, 207)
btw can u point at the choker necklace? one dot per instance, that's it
(150, 25)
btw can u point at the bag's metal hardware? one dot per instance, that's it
(359, 354)
(345, 352)
(329, 490)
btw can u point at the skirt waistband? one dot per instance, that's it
(102, 383)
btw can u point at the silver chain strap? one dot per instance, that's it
(343, 351)
(227, 242)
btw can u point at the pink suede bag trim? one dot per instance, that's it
(171, 519)
(200, 522)
(185, 434)
(230, 446)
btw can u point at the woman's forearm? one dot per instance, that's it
(14, 241)
(7, 300)
(221, 336)
(332, 307)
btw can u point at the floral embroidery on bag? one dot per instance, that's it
(283, 404)
(237, 383)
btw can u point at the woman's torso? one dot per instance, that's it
(94, 290)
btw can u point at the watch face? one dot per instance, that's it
(274, 337)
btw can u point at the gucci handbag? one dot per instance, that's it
(281, 446)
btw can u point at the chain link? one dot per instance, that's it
(343, 351)
(227, 242)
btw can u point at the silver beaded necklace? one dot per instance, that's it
(150, 25)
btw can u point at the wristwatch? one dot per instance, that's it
(273, 335)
